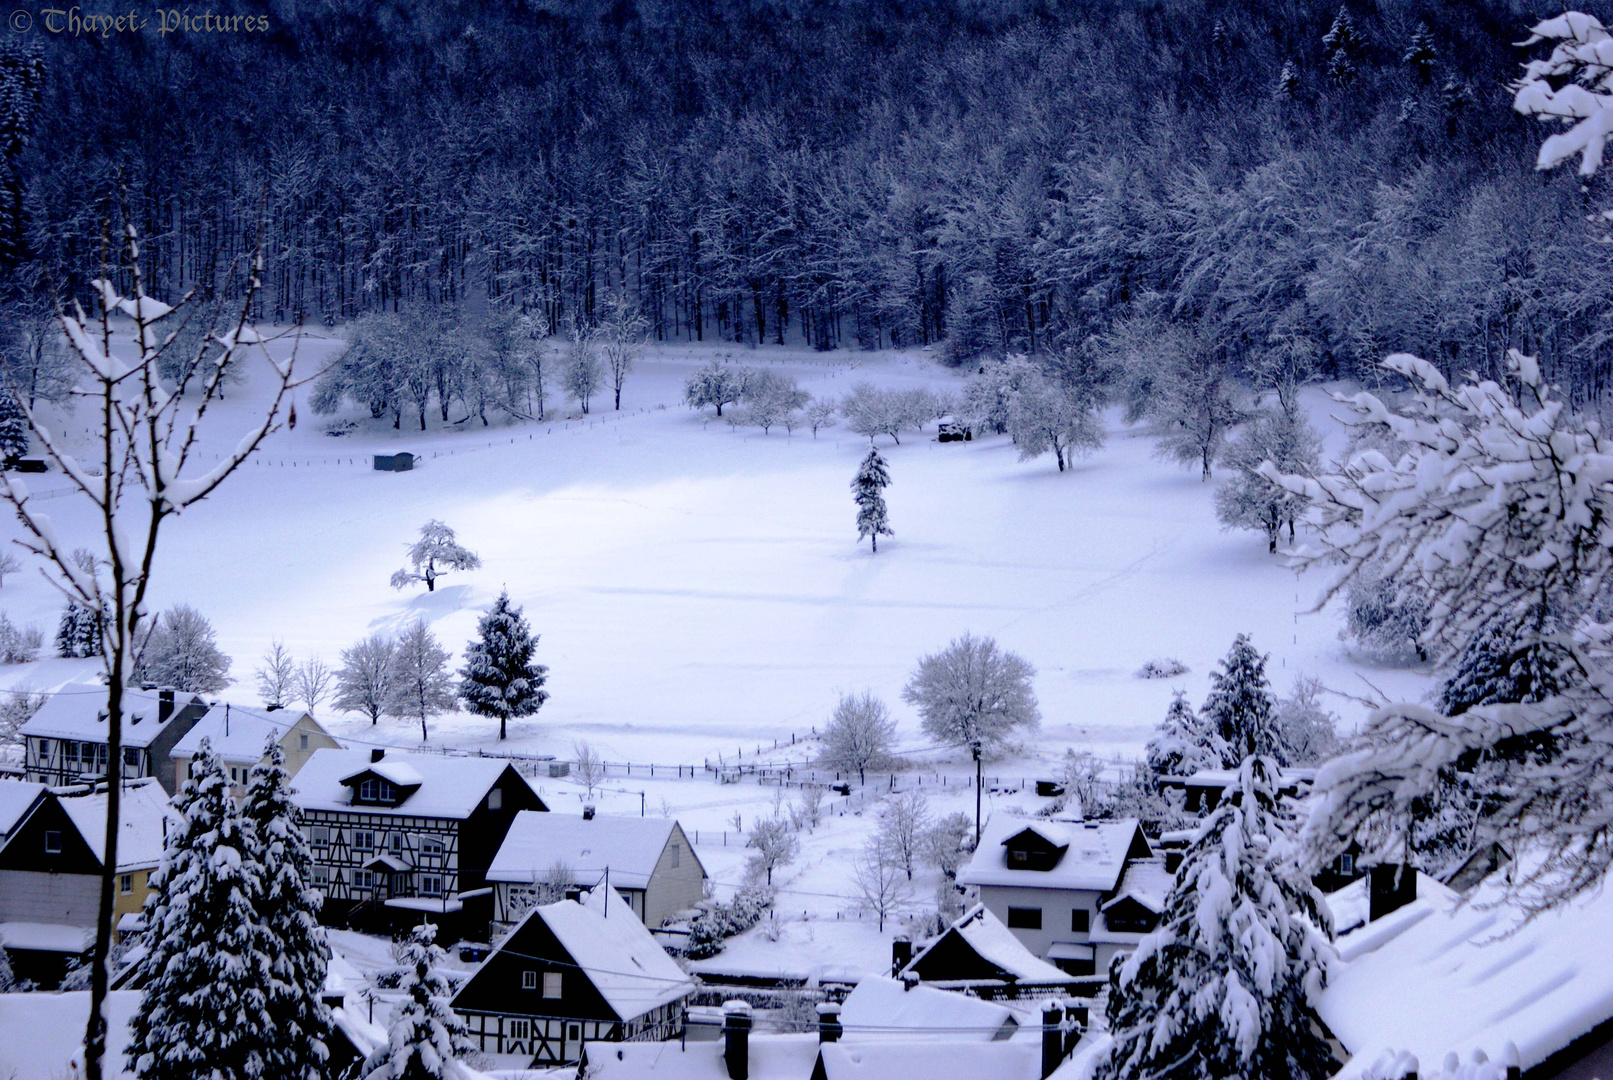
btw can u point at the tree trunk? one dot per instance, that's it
(501, 723)
(95, 1029)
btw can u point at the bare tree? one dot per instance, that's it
(622, 334)
(17, 707)
(278, 674)
(776, 845)
(313, 682)
(902, 829)
(364, 681)
(588, 768)
(142, 469)
(808, 809)
(8, 565)
(420, 684)
(947, 842)
(879, 880)
(859, 735)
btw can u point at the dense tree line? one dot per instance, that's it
(1190, 186)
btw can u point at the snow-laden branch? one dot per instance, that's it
(1574, 86)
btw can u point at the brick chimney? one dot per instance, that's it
(165, 703)
(829, 1029)
(901, 954)
(376, 755)
(736, 1021)
(1076, 1018)
(1390, 887)
(1052, 1037)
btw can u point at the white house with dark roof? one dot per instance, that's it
(648, 860)
(412, 834)
(66, 741)
(1049, 882)
(978, 953)
(238, 736)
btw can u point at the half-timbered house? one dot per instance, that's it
(648, 860)
(572, 972)
(395, 836)
(65, 742)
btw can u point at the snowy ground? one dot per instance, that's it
(700, 591)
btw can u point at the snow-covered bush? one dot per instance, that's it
(19, 645)
(1164, 667)
(718, 921)
(1387, 615)
(1306, 732)
(182, 651)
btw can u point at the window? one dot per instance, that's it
(53, 841)
(234, 778)
(1081, 921)
(495, 799)
(44, 748)
(573, 1032)
(529, 980)
(520, 1030)
(395, 843)
(125, 883)
(432, 848)
(319, 835)
(131, 757)
(1024, 918)
(677, 850)
(1346, 864)
(302, 743)
(431, 885)
(322, 876)
(551, 984)
(363, 840)
(363, 879)
(377, 791)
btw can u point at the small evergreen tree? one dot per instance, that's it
(1343, 46)
(14, 429)
(499, 678)
(1225, 986)
(868, 490)
(289, 913)
(1421, 54)
(1185, 742)
(205, 1011)
(426, 1036)
(1507, 664)
(1239, 708)
(78, 635)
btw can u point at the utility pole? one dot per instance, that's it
(975, 747)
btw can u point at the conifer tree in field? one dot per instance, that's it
(1239, 708)
(205, 1011)
(13, 427)
(79, 632)
(1225, 986)
(499, 678)
(868, 489)
(427, 1037)
(1185, 743)
(289, 913)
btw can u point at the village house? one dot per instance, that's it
(17, 797)
(648, 860)
(50, 873)
(396, 836)
(65, 742)
(240, 737)
(571, 972)
(1441, 975)
(981, 956)
(1074, 892)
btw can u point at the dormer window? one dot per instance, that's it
(376, 790)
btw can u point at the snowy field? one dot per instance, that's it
(700, 591)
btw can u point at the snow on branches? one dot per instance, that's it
(436, 553)
(1574, 85)
(1501, 512)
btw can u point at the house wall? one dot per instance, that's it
(336, 858)
(37, 896)
(1056, 906)
(673, 888)
(134, 899)
(161, 746)
(297, 754)
(62, 762)
(554, 1040)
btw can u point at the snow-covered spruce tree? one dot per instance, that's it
(78, 634)
(426, 1038)
(1342, 45)
(204, 1013)
(1498, 508)
(1307, 732)
(1239, 707)
(868, 489)
(433, 555)
(14, 436)
(419, 683)
(181, 651)
(1509, 664)
(364, 681)
(859, 735)
(1224, 988)
(288, 910)
(1185, 743)
(499, 678)
(1246, 500)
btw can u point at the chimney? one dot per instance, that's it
(574, 895)
(1052, 1037)
(736, 1023)
(1173, 860)
(376, 755)
(829, 1029)
(588, 811)
(1390, 887)
(901, 954)
(165, 703)
(1510, 1061)
(1075, 1016)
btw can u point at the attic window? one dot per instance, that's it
(551, 984)
(53, 841)
(677, 852)
(1346, 864)
(529, 980)
(303, 742)
(495, 801)
(376, 790)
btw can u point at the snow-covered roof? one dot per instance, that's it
(771, 1057)
(235, 734)
(1438, 976)
(79, 712)
(629, 846)
(16, 796)
(46, 937)
(996, 944)
(142, 812)
(450, 787)
(1056, 834)
(1145, 881)
(934, 1059)
(884, 1008)
(1094, 861)
(398, 772)
(1352, 905)
(42, 1035)
(608, 942)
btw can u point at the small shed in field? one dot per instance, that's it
(403, 461)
